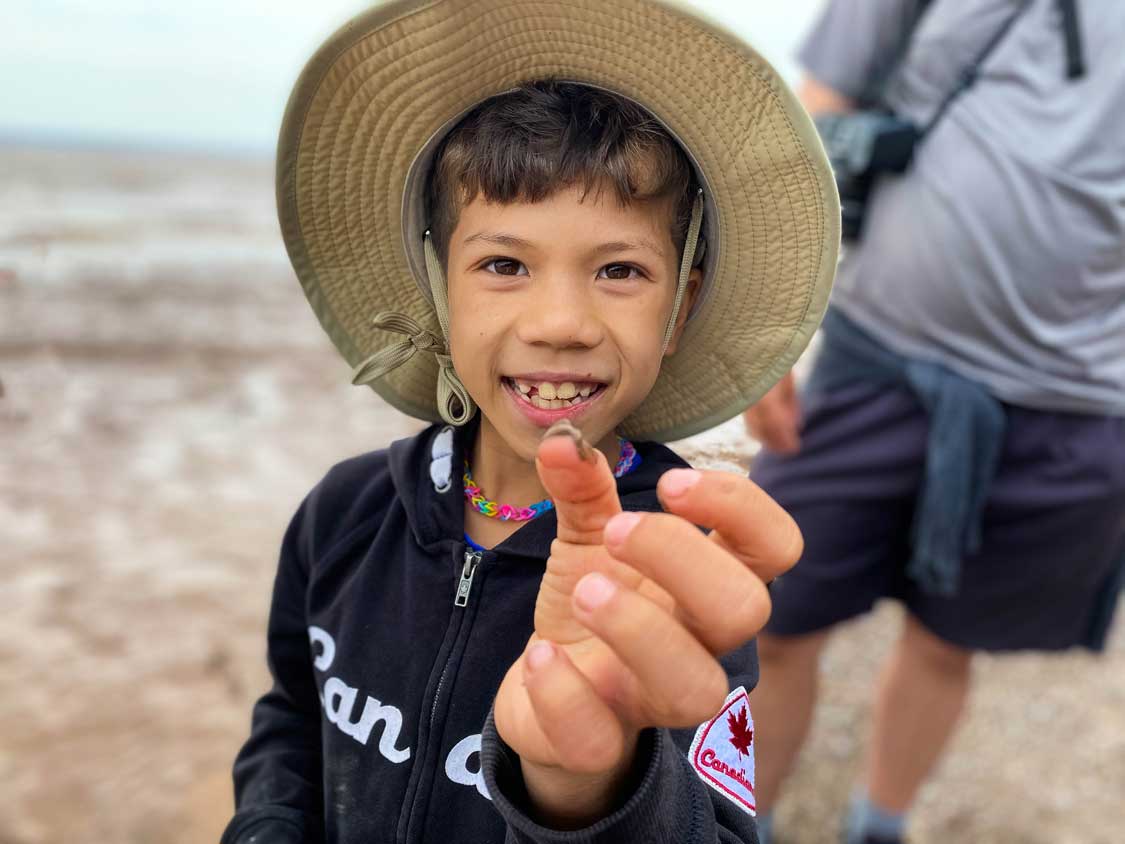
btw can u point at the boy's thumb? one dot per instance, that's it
(577, 477)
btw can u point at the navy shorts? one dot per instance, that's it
(1053, 533)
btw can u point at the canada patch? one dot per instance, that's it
(722, 751)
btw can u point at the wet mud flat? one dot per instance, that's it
(168, 401)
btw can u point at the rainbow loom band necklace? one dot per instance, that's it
(505, 512)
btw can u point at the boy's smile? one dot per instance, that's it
(558, 310)
(546, 397)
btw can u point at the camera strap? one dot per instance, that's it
(876, 88)
(969, 74)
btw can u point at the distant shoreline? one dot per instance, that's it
(61, 142)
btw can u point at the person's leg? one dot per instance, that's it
(851, 490)
(783, 706)
(1048, 550)
(919, 699)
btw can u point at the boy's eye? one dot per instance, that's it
(505, 266)
(619, 272)
(512, 267)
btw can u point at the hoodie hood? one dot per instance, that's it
(426, 472)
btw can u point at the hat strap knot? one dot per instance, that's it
(418, 339)
(454, 403)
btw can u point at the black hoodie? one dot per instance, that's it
(388, 638)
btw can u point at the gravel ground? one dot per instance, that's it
(168, 399)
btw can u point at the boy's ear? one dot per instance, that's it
(695, 281)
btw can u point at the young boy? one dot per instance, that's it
(452, 662)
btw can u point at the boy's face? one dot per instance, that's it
(558, 310)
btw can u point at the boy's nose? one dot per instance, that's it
(561, 315)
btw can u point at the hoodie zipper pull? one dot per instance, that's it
(472, 558)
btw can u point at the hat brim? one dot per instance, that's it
(375, 98)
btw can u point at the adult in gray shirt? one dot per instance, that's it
(960, 445)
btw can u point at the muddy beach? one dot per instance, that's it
(168, 398)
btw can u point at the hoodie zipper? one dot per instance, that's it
(472, 560)
(461, 599)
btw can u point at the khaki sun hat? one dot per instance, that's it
(373, 104)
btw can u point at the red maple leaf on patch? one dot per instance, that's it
(740, 733)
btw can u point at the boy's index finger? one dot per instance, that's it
(743, 517)
(579, 481)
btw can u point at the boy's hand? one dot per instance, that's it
(631, 614)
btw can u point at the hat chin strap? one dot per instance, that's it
(454, 403)
(690, 244)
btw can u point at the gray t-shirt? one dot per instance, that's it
(1001, 251)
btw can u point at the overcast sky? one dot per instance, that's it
(213, 73)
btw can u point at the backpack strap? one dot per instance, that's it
(1072, 33)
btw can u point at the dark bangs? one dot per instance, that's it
(527, 144)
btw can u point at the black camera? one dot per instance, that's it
(861, 145)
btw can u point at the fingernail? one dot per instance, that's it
(594, 590)
(618, 528)
(678, 481)
(539, 655)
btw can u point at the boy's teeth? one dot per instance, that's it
(551, 396)
(552, 404)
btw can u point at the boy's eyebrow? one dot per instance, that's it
(512, 241)
(498, 239)
(627, 246)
